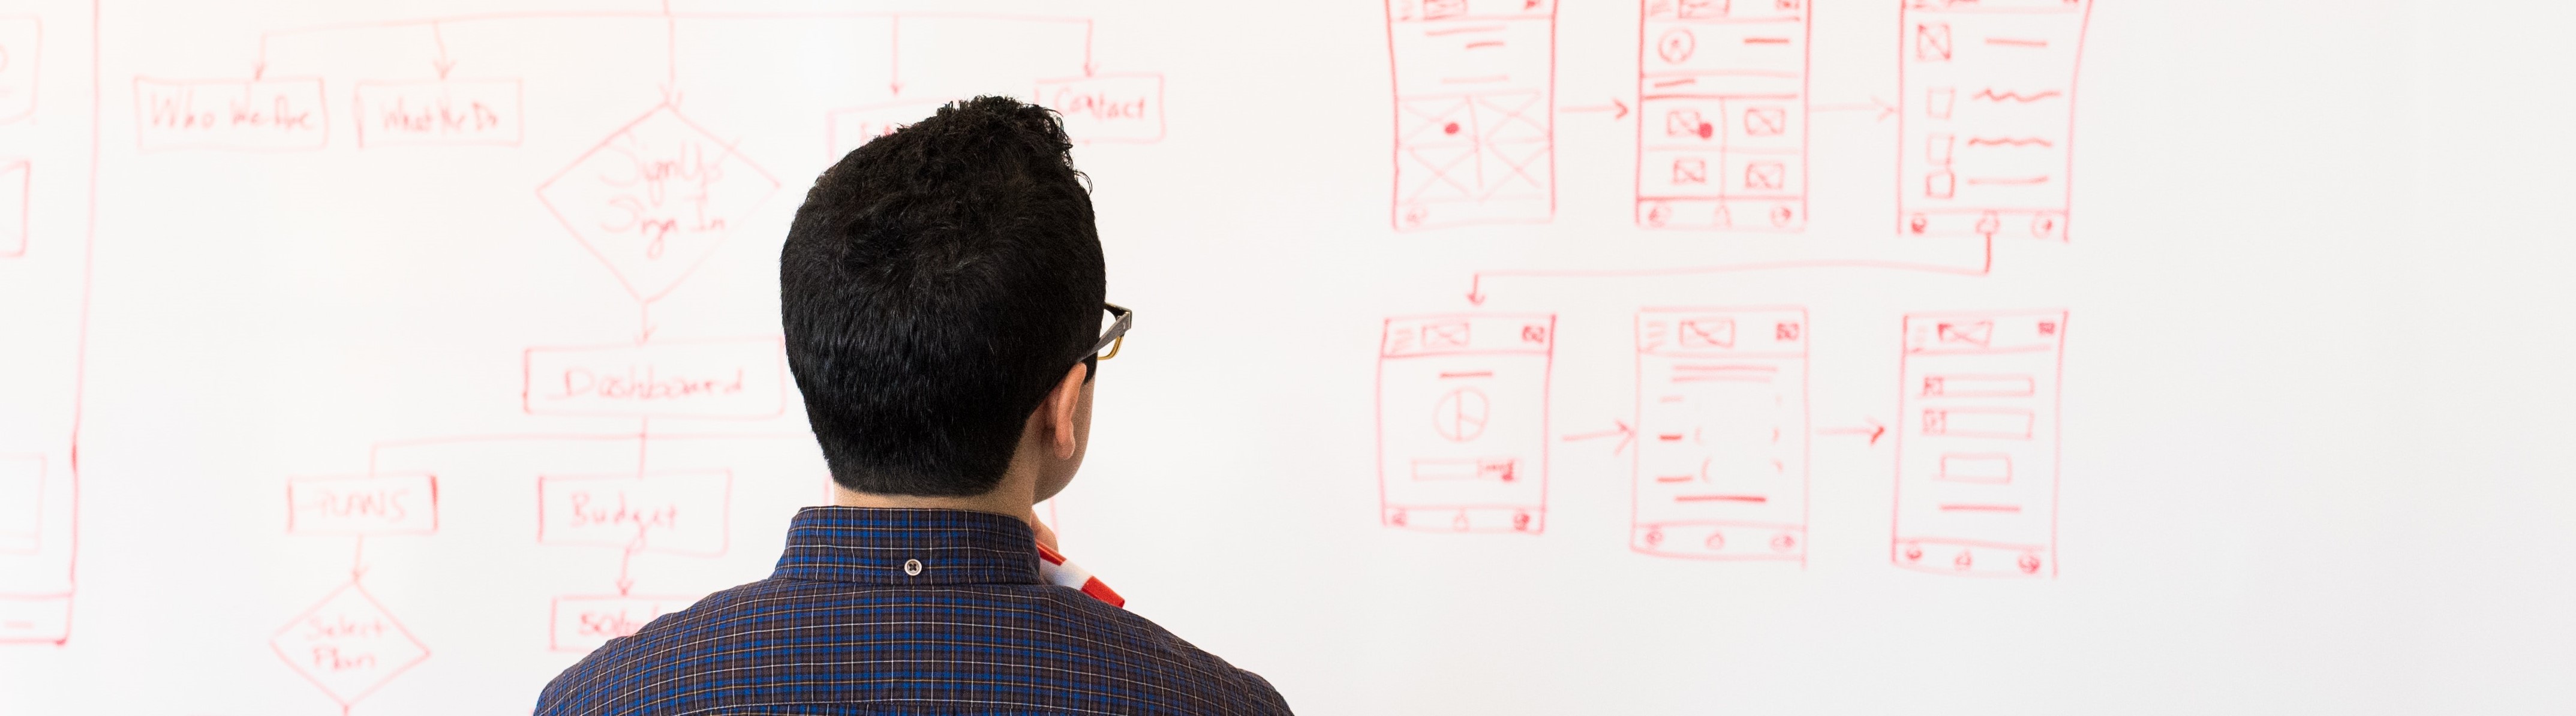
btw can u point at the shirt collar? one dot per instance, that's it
(868, 545)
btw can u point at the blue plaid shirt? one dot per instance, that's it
(904, 611)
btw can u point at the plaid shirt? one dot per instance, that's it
(904, 611)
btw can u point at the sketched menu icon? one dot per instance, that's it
(654, 199)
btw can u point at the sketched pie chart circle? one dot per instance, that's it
(1676, 46)
(1461, 415)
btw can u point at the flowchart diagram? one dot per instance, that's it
(48, 159)
(651, 200)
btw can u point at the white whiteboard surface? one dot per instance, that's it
(1653, 357)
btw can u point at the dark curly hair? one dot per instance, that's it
(936, 284)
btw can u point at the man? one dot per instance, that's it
(942, 292)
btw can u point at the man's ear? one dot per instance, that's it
(1059, 408)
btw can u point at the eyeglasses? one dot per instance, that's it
(1111, 340)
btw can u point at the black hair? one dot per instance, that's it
(936, 285)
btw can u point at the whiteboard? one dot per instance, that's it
(1494, 356)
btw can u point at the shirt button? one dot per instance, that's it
(912, 567)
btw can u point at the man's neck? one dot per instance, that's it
(1003, 500)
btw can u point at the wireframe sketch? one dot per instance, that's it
(1722, 115)
(1976, 446)
(1721, 462)
(22, 44)
(48, 145)
(1475, 85)
(1988, 120)
(1462, 422)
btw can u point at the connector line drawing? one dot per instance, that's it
(1722, 115)
(1475, 104)
(1462, 422)
(1478, 282)
(436, 107)
(1720, 470)
(1977, 444)
(49, 57)
(1987, 122)
(348, 644)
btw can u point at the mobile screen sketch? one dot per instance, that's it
(1989, 118)
(1475, 85)
(1462, 422)
(1721, 434)
(1722, 115)
(1976, 481)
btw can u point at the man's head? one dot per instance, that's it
(941, 289)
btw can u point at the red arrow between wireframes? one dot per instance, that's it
(1616, 108)
(1626, 435)
(1873, 431)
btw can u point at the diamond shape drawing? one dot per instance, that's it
(655, 198)
(348, 645)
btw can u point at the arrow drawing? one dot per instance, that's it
(1883, 109)
(1874, 430)
(1616, 108)
(443, 63)
(1476, 284)
(1625, 433)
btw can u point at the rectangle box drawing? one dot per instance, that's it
(22, 503)
(1720, 470)
(1978, 467)
(1977, 386)
(16, 195)
(1986, 124)
(848, 128)
(1976, 470)
(22, 42)
(1722, 115)
(580, 624)
(34, 619)
(368, 505)
(284, 114)
(1997, 423)
(1462, 422)
(1123, 108)
(1475, 105)
(437, 112)
(679, 512)
(741, 378)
